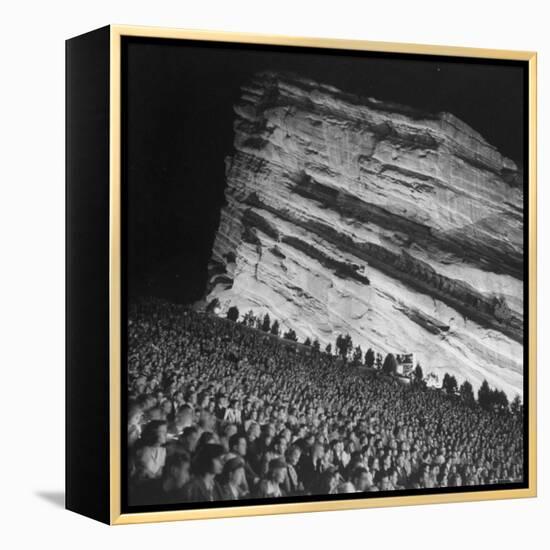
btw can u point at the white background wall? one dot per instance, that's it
(32, 272)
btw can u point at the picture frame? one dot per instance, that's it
(100, 154)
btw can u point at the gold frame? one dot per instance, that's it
(116, 33)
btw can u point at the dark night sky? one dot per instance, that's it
(178, 127)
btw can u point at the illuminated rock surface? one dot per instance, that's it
(350, 215)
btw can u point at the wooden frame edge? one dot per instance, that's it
(532, 275)
(307, 41)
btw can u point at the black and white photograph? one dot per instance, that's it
(324, 274)
(274, 275)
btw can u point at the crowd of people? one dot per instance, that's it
(221, 411)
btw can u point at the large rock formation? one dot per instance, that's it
(351, 215)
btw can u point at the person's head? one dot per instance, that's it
(277, 470)
(329, 481)
(190, 438)
(384, 483)
(233, 471)
(230, 430)
(166, 407)
(265, 441)
(269, 430)
(191, 397)
(155, 414)
(237, 444)
(223, 402)
(360, 479)
(293, 454)
(205, 439)
(135, 414)
(184, 416)
(287, 434)
(208, 460)
(140, 385)
(374, 463)
(456, 480)
(337, 446)
(204, 400)
(154, 433)
(146, 401)
(253, 431)
(279, 445)
(177, 468)
(207, 420)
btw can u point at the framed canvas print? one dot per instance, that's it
(300, 274)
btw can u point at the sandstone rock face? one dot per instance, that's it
(350, 215)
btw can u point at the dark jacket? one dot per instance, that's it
(227, 494)
(310, 473)
(195, 490)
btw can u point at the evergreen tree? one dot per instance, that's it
(357, 356)
(328, 349)
(369, 358)
(339, 343)
(316, 345)
(307, 341)
(390, 364)
(504, 403)
(516, 407)
(266, 324)
(484, 397)
(418, 375)
(275, 328)
(249, 319)
(344, 345)
(450, 384)
(233, 313)
(467, 393)
(499, 400)
(290, 335)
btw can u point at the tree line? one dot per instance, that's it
(487, 398)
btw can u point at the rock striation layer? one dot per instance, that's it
(351, 215)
